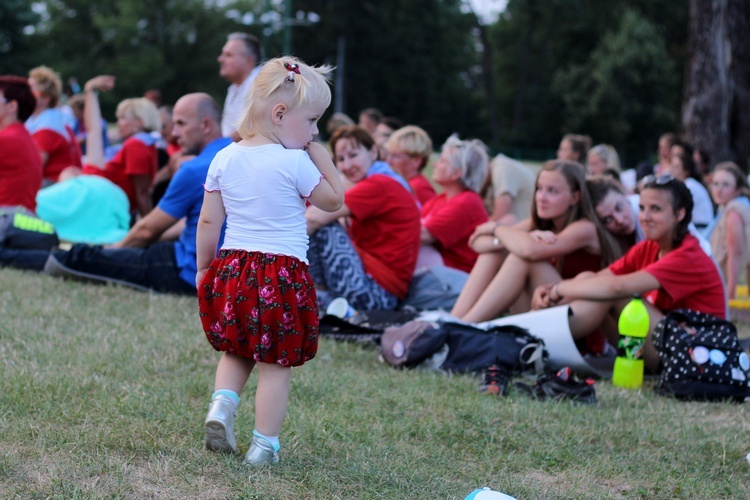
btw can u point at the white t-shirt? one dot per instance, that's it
(234, 104)
(703, 209)
(264, 189)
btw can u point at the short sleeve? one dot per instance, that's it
(214, 174)
(181, 193)
(140, 159)
(503, 180)
(308, 176)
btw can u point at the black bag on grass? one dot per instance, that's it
(472, 349)
(469, 349)
(701, 357)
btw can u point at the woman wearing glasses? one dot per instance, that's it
(730, 231)
(408, 151)
(668, 268)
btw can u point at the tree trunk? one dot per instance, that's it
(716, 101)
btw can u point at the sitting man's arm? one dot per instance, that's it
(147, 230)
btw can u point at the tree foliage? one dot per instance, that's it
(565, 66)
(15, 46)
(613, 70)
(627, 85)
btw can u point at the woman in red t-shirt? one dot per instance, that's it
(134, 166)
(20, 162)
(450, 218)
(370, 263)
(668, 268)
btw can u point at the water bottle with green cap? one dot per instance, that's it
(633, 327)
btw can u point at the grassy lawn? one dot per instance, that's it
(104, 391)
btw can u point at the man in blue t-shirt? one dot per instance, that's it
(143, 259)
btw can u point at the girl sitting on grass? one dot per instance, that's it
(668, 268)
(562, 238)
(257, 300)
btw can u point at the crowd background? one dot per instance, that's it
(518, 81)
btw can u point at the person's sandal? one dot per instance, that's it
(561, 385)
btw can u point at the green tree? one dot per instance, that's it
(543, 47)
(414, 59)
(625, 91)
(162, 44)
(15, 46)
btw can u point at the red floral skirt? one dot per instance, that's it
(260, 306)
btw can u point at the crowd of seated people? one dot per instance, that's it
(498, 235)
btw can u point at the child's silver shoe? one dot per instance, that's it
(219, 425)
(260, 452)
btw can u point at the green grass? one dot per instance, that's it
(104, 391)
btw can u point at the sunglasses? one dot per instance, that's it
(659, 180)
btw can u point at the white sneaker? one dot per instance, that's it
(260, 452)
(219, 425)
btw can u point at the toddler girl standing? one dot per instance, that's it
(257, 301)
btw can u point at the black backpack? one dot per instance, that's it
(466, 348)
(701, 358)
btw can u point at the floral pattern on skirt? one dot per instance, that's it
(260, 306)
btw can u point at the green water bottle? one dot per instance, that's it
(633, 327)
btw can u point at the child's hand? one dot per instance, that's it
(199, 277)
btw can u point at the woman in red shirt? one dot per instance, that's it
(20, 162)
(134, 166)
(370, 263)
(668, 268)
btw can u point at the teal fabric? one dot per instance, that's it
(85, 209)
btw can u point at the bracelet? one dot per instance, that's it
(495, 239)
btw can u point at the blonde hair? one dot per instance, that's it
(144, 109)
(609, 155)
(49, 83)
(275, 84)
(413, 141)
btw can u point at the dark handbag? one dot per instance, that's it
(469, 349)
(701, 357)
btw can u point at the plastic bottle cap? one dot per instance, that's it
(634, 320)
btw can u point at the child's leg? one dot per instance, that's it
(271, 400)
(231, 376)
(233, 372)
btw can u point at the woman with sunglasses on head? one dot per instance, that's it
(562, 238)
(730, 230)
(656, 268)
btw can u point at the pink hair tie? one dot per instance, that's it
(292, 68)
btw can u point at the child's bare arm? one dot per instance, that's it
(329, 194)
(209, 229)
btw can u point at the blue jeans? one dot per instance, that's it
(437, 287)
(153, 267)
